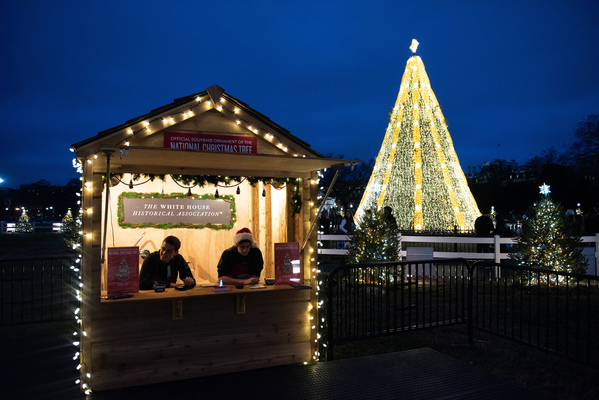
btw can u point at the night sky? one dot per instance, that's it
(513, 78)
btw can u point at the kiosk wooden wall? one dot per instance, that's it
(155, 337)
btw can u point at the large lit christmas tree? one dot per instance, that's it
(547, 240)
(417, 172)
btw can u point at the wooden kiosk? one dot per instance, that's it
(191, 149)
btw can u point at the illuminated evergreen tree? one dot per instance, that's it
(71, 229)
(417, 172)
(23, 225)
(373, 240)
(547, 241)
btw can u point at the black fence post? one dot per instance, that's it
(329, 313)
(470, 301)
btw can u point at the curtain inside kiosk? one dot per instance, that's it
(204, 224)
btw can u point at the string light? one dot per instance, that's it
(169, 120)
(77, 290)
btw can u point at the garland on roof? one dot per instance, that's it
(202, 180)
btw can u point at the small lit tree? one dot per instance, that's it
(373, 240)
(546, 240)
(71, 229)
(24, 225)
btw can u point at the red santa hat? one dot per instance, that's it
(244, 235)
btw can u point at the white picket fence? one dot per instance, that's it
(11, 227)
(590, 248)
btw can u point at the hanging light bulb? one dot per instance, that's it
(238, 190)
(216, 193)
(131, 184)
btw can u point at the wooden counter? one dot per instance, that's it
(172, 293)
(155, 337)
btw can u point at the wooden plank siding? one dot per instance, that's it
(138, 342)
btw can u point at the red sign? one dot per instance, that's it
(208, 142)
(287, 263)
(123, 270)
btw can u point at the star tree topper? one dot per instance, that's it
(414, 45)
(544, 189)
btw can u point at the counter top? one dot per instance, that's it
(172, 293)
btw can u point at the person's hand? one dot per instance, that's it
(189, 281)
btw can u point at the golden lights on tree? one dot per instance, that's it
(417, 172)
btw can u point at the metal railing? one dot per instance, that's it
(37, 290)
(368, 300)
(553, 311)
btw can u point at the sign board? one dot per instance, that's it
(287, 263)
(176, 210)
(209, 142)
(123, 270)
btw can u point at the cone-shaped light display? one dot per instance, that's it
(417, 172)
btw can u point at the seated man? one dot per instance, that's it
(242, 263)
(164, 265)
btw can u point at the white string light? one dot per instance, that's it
(171, 119)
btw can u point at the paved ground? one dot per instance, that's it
(43, 368)
(40, 367)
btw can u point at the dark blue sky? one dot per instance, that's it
(517, 73)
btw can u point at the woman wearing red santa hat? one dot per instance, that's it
(242, 263)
